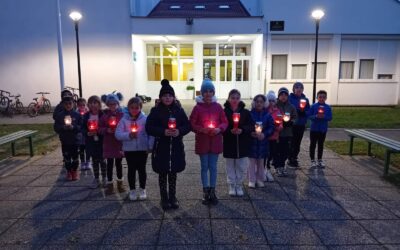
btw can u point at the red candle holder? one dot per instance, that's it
(321, 110)
(278, 120)
(303, 104)
(236, 119)
(134, 127)
(92, 125)
(211, 124)
(171, 123)
(112, 122)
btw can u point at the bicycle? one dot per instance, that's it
(40, 105)
(5, 104)
(17, 105)
(74, 96)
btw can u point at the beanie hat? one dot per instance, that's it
(65, 92)
(67, 98)
(112, 98)
(298, 85)
(207, 84)
(283, 90)
(271, 96)
(166, 88)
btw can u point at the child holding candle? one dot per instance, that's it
(67, 126)
(82, 110)
(94, 140)
(208, 122)
(264, 127)
(320, 114)
(60, 106)
(168, 156)
(136, 144)
(302, 105)
(237, 142)
(273, 139)
(112, 148)
(285, 136)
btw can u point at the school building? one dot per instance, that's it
(251, 45)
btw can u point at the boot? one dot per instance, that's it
(165, 205)
(206, 196)
(173, 201)
(110, 188)
(120, 186)
(213, 197)
(74, 175)
(69, 175)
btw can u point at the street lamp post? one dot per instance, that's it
(317, 15)
(76, 16)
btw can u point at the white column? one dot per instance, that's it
(398, 73)
(267, 72)
(334, 61)
(198, 64)
(59, 43)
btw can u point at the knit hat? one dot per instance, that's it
(298, 85)
(207, 84)
(67, 98)
(271, 96)
(283, 90)
(112, 98)
(166, 88)
(65, 92)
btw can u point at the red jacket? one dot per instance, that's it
(201, 115)
(275, 111)
(112, 148)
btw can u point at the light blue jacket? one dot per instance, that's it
(143, 142)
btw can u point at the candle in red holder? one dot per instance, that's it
(211, 124)
(67, 120)
(112, 122)
(171, 123)
(92, 125)
(134, 127)
(278, 120)
(236, 119)
(303, 103)
(286, 117)
(321, 110)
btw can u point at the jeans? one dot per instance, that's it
(209, 164)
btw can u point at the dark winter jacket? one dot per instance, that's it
(286, 107)
(320, 124)
(168, 155)
(238, 146)
(68, 136)
(301, 114)
(93, 148)
(58, 109)
(260, 149)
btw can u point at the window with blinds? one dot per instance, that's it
(366, 69)
(299, 71)
(321, 70)
(346, 70)
(279, 67)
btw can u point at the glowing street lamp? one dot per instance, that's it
(317, 16)
(76, 16)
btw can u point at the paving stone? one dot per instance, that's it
(341, 232)
(133, 232)
(346, 170)
(127, 247)
(5, 224)
(305, 192)
(15, 209)
(185, 231)
(294, 247)
(289, 232)
(47, 181)
(70, 247)
(231, 231)
(358, 247)
(330, 181)
(17, 180)
(368, 181)
(96, 210)
(69, 193)
(322, 210)
(366, 210)
(140, 210)
(393, 206)
(382, 193)
(232, 209)
(310, 171)
(53, 210)
(272, 192)
(99, 195)
(385, 231)
(80, 232)
(346, 194)
(242, 247)
(294, 179)
(186, 247)
(32, 232)
(7, 191)
(33, 170)
(392, 247)
(31, 193)
(276, 210)
(188, 209)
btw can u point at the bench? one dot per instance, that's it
(16, 136)
(391, 146)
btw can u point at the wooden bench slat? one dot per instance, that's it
(393, 142)
(16, 136)
(374, 138)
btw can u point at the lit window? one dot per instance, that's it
(175, 7)
(200, 7)
(224, 7)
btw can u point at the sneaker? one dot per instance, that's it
(279, 172)
(95, 183)
(239, 190)
(104, 182)
(132, 195)
(74, 175)
(88, 165)
(284, 172)
(83, 166)
(314, 164)
(252, 184)
(142, 194)
(321, 164)
(293, 164)
(260, 184)
(69, 175)
(232, 190)
(268, 176)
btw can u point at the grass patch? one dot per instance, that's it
(366, 117)
(44, 141)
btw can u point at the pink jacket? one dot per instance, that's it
(201, 115)
(112, 148)
(274, 111)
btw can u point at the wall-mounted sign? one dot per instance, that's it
(277, 25)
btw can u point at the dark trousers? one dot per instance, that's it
(136, 162)
(272, 153)
(282, 151)
(99, 165)
(162, 181)
(70, 156)
(298, 132)
(82, 154)
(110, 167)
(317, 137)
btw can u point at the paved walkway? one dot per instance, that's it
(346, 206)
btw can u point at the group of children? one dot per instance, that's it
(270, 133)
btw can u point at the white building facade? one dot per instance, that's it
(125, 46)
